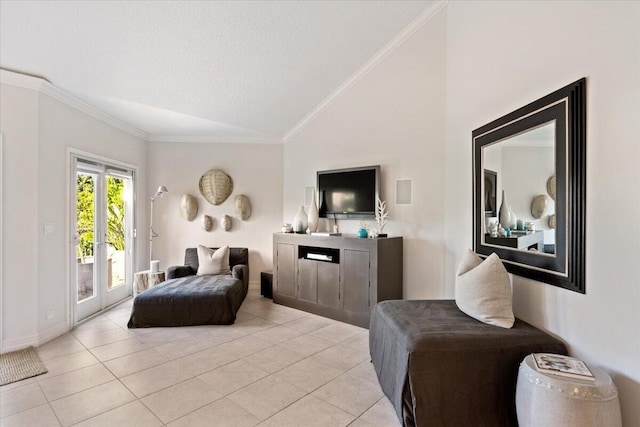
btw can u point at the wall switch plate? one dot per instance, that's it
(48, 228)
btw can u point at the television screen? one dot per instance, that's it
(348, 193)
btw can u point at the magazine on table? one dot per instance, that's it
(565, 366)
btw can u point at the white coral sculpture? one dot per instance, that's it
(381, 214)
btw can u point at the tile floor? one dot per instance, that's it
(275, 366)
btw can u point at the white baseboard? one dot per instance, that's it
(53, 332)
(254, 284)
(19, 343)
(35, 340)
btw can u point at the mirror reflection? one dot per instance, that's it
(519, 191)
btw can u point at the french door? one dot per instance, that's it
(103, 241)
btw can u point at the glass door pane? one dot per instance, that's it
(119, 201)
(86, 231)
(116, 232)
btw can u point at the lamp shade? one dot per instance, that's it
(161, 190)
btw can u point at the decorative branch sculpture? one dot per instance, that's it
(381, 214)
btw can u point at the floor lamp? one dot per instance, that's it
(161, 191)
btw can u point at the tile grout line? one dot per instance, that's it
(315, 389)
(319, 398)
(81, 391)
(116, 379)
(253, 382)
(148, 409)
(49, 403)
(273, 324)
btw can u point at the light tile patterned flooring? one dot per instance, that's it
(275, 366)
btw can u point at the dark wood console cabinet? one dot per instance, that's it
(341, 277)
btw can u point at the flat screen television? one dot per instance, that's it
(348, 193)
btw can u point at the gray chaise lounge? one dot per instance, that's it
(186, 299)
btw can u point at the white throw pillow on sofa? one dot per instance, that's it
(213, 262)
(483, 290)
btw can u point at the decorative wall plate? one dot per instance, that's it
(216, 186)
(207, 223)
(551, 187)
(243, 206)
(226, 223)
(188, 207)
(538, 206)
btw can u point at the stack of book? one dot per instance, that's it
(563, 366)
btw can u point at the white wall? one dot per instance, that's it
(256, 170)
(19, 127)
(38, 130)
(503, 55)
(500, 56)
(62, 127)
(393, 117)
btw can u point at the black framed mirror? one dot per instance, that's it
(529, 185)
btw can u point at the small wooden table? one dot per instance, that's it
(144, 280)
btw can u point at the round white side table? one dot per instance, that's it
(555, 401)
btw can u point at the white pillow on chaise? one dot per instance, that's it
(213, 261)
(483, 290)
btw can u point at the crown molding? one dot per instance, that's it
(205, 139)
(41, 85)
(66, 98)
(24, 81)
(365, 69)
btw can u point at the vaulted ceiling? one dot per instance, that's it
(220, 69)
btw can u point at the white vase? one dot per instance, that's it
(300, 222)
(313, 214)
(505, 212)
(514, 219)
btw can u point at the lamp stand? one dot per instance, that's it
(161, 190)
(151, 233)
